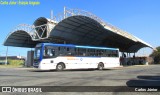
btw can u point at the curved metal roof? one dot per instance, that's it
(42, 21)
(75, 29)
(83, 30)
(20, 38)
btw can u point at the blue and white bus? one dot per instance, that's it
(49, 56)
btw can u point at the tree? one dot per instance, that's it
(156, 55)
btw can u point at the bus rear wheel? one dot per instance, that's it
(60, 67)
(100, 66)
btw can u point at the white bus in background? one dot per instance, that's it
(49, 56)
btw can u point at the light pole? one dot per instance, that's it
(6, 55)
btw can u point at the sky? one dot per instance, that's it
(138, 17)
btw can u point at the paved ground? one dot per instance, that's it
(124, 76)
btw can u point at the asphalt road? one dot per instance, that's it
(123, 76)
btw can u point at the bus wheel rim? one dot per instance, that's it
(100, 67)
(60, 67)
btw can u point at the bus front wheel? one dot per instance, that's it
(100, 66)
(60, 67)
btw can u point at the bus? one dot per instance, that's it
(50, 56)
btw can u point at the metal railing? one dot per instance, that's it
(33, 31)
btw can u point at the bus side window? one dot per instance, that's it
(59, 48)
(75, 52)
(78, 52)
(87, 52)
(52, 52)
(72, 51)
(98, 52)
(112, 53)
(69, 51)
(102, 52)
(117, 53)
(45, 51)
(93, 52)
(49, 51)
(61, 51)
(108, 53)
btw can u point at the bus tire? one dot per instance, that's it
(60, 67)
(100, 66)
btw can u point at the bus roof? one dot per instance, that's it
(71, 45)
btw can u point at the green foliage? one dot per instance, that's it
(156, 55)
(16, 62)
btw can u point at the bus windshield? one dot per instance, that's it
(37, 53)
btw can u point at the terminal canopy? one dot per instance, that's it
(79, 30)
(20, 38)
(83, 30)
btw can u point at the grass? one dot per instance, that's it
(8, 66)
(13, 63)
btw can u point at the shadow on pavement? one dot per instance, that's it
(144, 81)
(149, 77)
(42, 70)
(69, 70)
